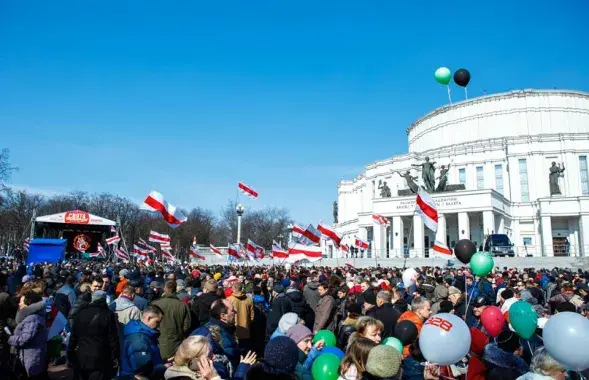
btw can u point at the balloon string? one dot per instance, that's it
(465, 93)
(449, 96)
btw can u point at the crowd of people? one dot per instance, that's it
(128, 321)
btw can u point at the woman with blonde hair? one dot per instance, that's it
(354, 363)
(367, 327)
(544, 367)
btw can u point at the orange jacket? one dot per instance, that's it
(120, 286)
(410, 316)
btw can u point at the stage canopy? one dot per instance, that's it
(76, 217)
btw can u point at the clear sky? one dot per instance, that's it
(189, 97)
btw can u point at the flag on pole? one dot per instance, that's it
(254, 251)
(147, 246)
(168, 257)
(379, 219)
(100, 250)
(300, 252)
(442, 249)
(156, 202)
(425, 207)
(311, 236)
(94, 254)
(121, 254)
(297, 231)
(156, 237)
(26, 244)
(165, 246)
(195, 252)
(113, 240)
(215, 250)
(141, 254)
(349, 265)
(247, 190)
(113, 229)
(344, 248)
(233, 251)
(278, 252)
(330, 233)
(361, 244)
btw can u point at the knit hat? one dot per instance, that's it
(278, 288)
(99, 294)
(287, 321)
(285, 283)
(383, 361)
(124, 272)
(281, 356)
(370, 298)
(453, 290)
(298, 332)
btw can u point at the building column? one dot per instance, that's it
(378, 242)
(584, 235)
(390, 239)
(488, 223)
(463, 226)
(441, 232)
(418, 236)
(500, 220)
(397, 232)
(546, 228)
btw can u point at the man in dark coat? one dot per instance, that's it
(94, 347)
(280, 306)
(310, 292)
(386, 313)
(201, 306)
(299, 305)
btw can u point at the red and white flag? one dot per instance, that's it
(121, 254)
(215, 250)
(233, 251)
(442, 248)
(113, 240)
(25, 244)
(361, 244)
(251, 249)
(247, 190)
(156, 237)
(349, 265)
(141, 254)
(344, 248)
(94, 254)
(379, 219)
(425, 207)
(310, 236)
(330, 233)
(166, 246)
(147, 246)
(156, 202)
(297, 231)
(168, 257)
(195, 252)
(299, 252)
(278, 252)
(100, 250)
(113, 229)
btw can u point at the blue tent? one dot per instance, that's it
(46, 250)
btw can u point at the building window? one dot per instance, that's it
(584, 175)
(462, 176)
(523, 180)
(499, 178)
(480, 178)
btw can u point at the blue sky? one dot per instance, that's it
(190, 97)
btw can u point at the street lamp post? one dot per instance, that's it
(239, 209)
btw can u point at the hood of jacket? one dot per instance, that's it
(313, 285)
(36, 308)
(239, 295)
(294, 294)
(181, 371)
(123, 303)
(499, 358)
(135, 326)
(440, 292)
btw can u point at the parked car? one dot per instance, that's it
(499, 245)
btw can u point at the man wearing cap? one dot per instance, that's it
(479, 304)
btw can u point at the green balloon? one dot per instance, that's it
(325, 367)
(523, 319)
(481, 263)
(395, 343)
(327, 336)
(443, 75)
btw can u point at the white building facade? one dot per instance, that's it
(500, 147)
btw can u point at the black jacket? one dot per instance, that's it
(280, 306)
(388, 315)
(94, 343)
(343, 336)
(201, 307)
(400, 305)
(81, 303)
(299, 305)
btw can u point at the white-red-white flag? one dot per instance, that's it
(94, 254)
(278, 252)
(26, 244)
(113, 240)
(349, 265)
(121, 254)
(100, 250)
(297, 231)
(298, 252)
(425, 207)
(113, 229)
(361, 244)
(254, 251)
(379, 219)
(310, 236)
(442, 249)
(329, 231)
(344, 248)
(215, 250)
(247, 190)
(156, 202)
(168, 257)
(233, 251)
(144, 244)
(166, 246)
(156, 237)
(195, 252)
(140, 253)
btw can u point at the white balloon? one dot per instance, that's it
(409, 277)
(565, 334)
(444, 339)
(287, 266)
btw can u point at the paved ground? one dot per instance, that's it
(61, 372)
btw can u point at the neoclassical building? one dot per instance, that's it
(499, 149)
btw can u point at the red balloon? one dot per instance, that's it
(493, 320)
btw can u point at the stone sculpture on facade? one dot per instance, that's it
(428, 177)
(443, 178)
(413, 186)
(556, 171)
(428, 174)
(385, 190)
(335, 211)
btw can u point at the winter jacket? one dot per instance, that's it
(400, 305)
(82, 302)
(183, 372)
(388, 315)
(227, 344)
(244, 309)
(299, 305)
(280, 306)
(140, 302)
(141, 354)
(440, 293)
(29, 338)
(303, 368)
(174, 325)
(94, 342)
(410, 316)
(459, 282)
(472, 290)
(64, 299)
(343, 336)
(461, 311)
(201, 306)
(69, 292)
(325, 313)
(494, 357)
(120, 286)
(7, 312)
(311, 295)
(412, 369)
(258, 326)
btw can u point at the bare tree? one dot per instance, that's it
(6, 170)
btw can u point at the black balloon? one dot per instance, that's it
(462, 77)
(464, 250)
(406, 332)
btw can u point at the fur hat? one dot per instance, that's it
(383, 361)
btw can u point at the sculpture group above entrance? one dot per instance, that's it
(428, 177)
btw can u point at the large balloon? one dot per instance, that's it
(565, 334)
(327, 336)
(325, 367)
(523, 319)
(481, 263)
(444, 339)
(493, 320)
(409, 277)
(334, 351)
(462, 77)
(443, 75)
(406, 332)
(395, 343)
(464, 250)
